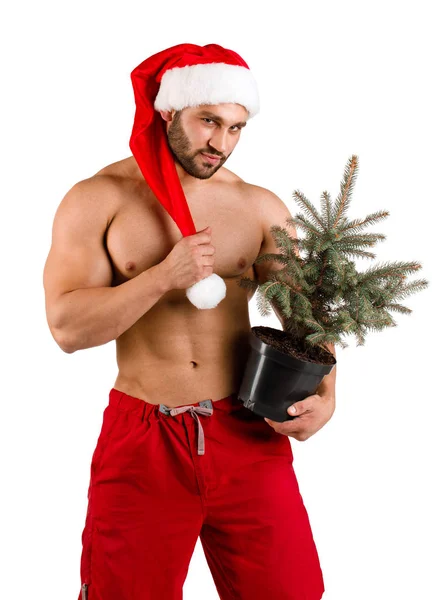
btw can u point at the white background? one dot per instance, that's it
(336, 79)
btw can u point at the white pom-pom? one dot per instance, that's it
(208, 292)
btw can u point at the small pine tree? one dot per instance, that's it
(321, 294)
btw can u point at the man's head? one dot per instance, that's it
(169, 132)
(205, 129)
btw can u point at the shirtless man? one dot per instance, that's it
(118, 267)
(117, 270)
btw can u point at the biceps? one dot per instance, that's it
(83, 266)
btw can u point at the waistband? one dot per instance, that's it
(140, 407)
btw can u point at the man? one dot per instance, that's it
(161, 475)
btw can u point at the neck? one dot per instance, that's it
(188, 180)
(185, 178)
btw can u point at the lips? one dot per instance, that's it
(212, 159)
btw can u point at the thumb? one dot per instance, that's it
(302, 406)
(297, 408)
(292, 410)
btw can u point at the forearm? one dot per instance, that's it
(94, 316)
(327, 385)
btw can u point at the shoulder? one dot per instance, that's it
(118, 169)
(110, 179)
(97, 188)
(266, 200)
(98, 196)
(271, 209)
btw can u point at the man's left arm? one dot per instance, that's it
(314, 411)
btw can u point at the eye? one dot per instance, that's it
(207, 119)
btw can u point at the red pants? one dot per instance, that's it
(160, 479)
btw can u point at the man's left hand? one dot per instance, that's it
(310, 415)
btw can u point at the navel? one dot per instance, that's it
(193, 363)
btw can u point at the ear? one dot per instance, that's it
(167, 115)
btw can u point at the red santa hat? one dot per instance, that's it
(178, 77)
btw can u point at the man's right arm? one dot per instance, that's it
(82, 309)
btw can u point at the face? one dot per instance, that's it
(210, 129)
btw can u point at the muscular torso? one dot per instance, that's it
(177, 354)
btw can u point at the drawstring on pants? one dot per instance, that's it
(204, 408)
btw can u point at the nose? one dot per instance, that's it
(219, 141)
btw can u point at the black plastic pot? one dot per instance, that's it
(274, 380)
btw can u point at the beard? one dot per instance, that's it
(181, 149)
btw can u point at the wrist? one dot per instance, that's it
(326, 392)
(163, 276)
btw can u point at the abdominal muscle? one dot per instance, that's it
(177, 354)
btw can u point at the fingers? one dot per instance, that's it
(297, 409)
(298, 428)
(290, 428)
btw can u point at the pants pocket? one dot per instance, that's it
(110, 419)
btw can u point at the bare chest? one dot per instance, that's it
(142, 233)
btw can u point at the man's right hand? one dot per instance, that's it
(190, 260)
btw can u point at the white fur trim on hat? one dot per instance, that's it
(212, 83)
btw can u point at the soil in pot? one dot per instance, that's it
(284, 342)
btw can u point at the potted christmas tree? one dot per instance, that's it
(322, 297)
